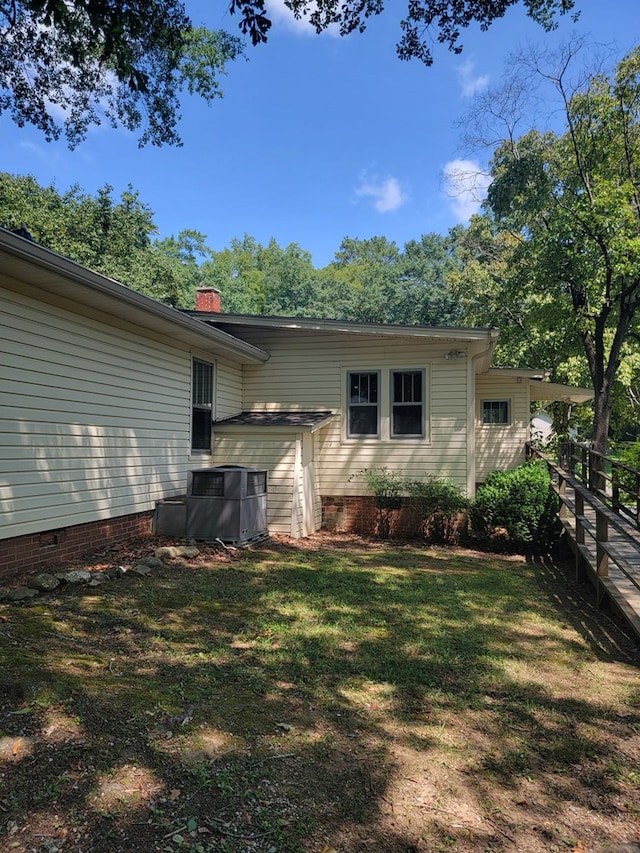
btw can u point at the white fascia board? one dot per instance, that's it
(514, 372)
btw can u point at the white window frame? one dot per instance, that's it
(198, 405)
(496, 401)
(385, 405)
(422, 403)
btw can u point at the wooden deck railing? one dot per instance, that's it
(598, 533)
(615, 484)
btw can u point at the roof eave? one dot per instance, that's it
(556, 391)
(321, 325)
(58, 275)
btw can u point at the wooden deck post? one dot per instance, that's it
(579, 535)
(563, 512)
(602, 557)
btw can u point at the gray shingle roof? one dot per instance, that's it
(276, 419)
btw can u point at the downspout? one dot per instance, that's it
(487, 354)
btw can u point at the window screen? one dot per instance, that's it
(364, 406)
(407, 402)
(201, 405)
(496, 412)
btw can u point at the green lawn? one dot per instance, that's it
(341, 696)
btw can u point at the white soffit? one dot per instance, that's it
(555, 391)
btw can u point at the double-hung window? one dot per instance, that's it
(407, 403)
(496, 412)
(363, 393)
(201, 405)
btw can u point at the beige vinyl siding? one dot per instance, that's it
(313, 500)
(501, 447)
(308, 371)
(228, 385)
(275, 452)
(95, 418)
(298, 506)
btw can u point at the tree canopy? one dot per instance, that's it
(570, 202)
(446, 17)
(65, 66)
(116, 237)
(369, 280)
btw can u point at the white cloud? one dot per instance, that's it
(465, 185)
(282, 15)
(386, 193)
(470, 82)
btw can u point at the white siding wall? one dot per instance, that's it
(501, 447)
(313, 501)
(228, 384)
(308, 371)
(276, 453)
(95, 418)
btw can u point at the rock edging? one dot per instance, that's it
(44, 582)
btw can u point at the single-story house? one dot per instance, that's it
(111, 400)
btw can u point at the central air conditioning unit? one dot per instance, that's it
(228, 502)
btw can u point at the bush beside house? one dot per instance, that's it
(515, 509)
(519, 506)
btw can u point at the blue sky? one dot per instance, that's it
(317, 137)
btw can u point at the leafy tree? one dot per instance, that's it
(426, 266)
(570, 200)
(447, 17)
(494, 289)
(370, 280)
(390, 285)
(128, 63)
(186, 255)
(238, 274)
(96, 60)
(92, 231)
(113, 237)
(368, 271)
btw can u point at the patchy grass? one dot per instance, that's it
(330, 695)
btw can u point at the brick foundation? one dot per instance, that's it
(23, 554)
(362, 515)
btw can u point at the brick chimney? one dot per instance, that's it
(208, 299)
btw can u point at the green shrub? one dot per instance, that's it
(384, 484)
(520, 503)
(438, 503)
(388, 488)
(629, 456)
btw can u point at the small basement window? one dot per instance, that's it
(496, 412)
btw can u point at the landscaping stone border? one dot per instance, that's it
(44, 582)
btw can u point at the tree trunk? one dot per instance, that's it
(601, 418)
